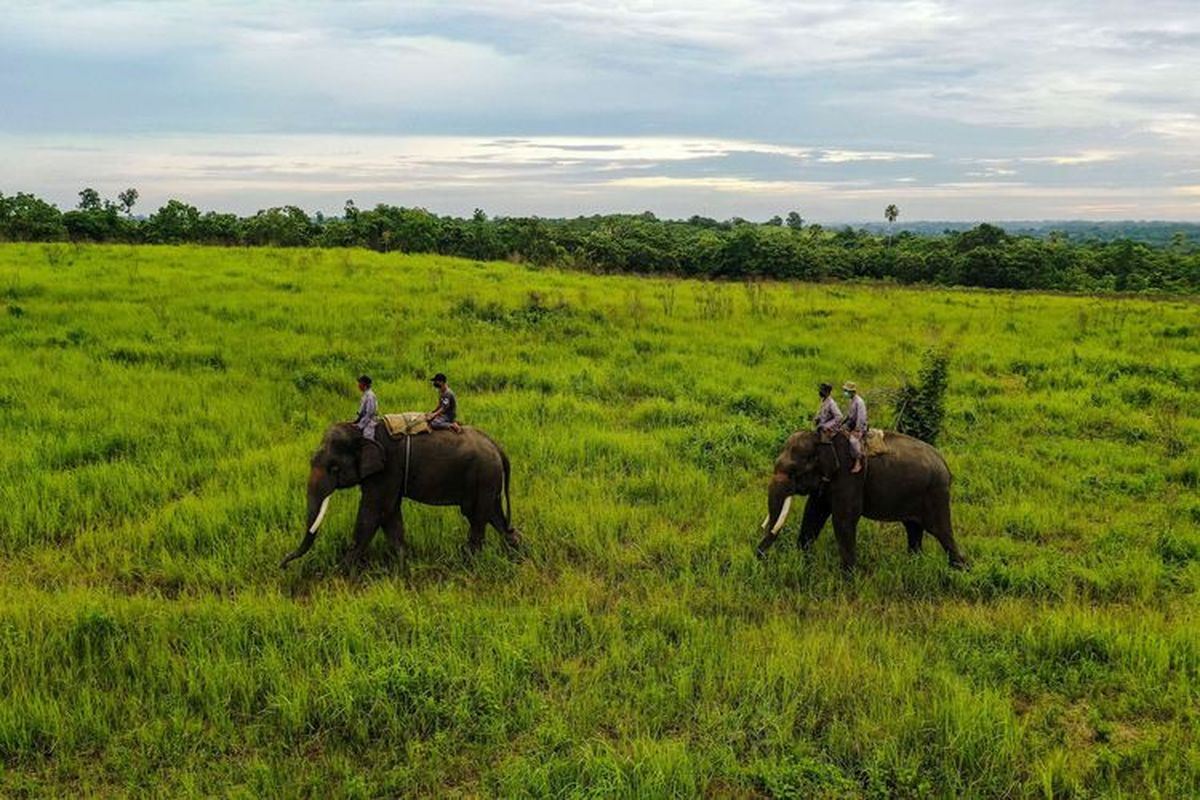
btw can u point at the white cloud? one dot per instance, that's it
(717, 184)
(846, 156)
(1022, 63)
(703, 96)
(673, 176)
(1075, 159)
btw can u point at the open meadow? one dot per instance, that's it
(158, 407)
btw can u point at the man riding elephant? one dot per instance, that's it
(366, 422)
(909, 483)
(445, 416)
(855, 424)
(827, 423)
(470, 471)
(829, 416)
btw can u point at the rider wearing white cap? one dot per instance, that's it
(855, 423)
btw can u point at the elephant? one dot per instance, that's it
(909, 483)
(442, 468)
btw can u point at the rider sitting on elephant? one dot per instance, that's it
(373, 456)
(444, 416)
(367, 409)
(855, 424)
(829, 417)
(827, 422)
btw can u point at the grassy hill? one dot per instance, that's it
(159, 405)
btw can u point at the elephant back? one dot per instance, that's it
(406, 423)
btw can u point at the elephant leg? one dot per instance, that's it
(816, 514)
(497, 520)
(393, 527)
(940, 528)
(945, 536)
(475, 535)
(477, 525)
(915, 532)
(364, 530)
(846, 531)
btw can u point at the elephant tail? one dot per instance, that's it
(507, 481)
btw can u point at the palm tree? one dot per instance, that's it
(890, 213)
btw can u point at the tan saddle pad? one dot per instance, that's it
(874, 441)
(409, 423)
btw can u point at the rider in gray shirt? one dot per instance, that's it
(829, 417)
(367, 409)
(855, 424)
(445, 416)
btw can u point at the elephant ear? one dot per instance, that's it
(803, 447)
(370, 459)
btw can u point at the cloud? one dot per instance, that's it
(1022, 63)
(844, 156)
(718, 184)
(1075, 159)
(565, 96)
(674, 176)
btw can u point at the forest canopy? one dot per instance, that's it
(984, 255)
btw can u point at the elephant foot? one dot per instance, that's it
(350, 563)
(400, 558)
(514, 545)
(959, 563)
(760, 554)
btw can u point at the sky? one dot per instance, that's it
(951, 109)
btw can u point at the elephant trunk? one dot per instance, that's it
(318, 505)
(779, 505)
(304, 547)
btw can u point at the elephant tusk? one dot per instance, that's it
(320, 515)
(783, 514)
(766, 519)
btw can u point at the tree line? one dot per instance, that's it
(783, 247)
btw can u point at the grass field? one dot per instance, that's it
(159, 405)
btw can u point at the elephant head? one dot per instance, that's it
(337, 464)
(797, 471)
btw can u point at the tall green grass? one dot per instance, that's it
(159, 406)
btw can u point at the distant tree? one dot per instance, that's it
(173, 223)
(775, 221)
(982, 235)
(89, 200)
(891, 213)
(214, 228)
(795, 221)
(126, 200)
(286, 226)
(26, 218)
